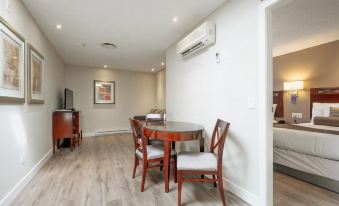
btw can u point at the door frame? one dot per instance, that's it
(265, 100)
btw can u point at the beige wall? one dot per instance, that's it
(135, 95)
(25, 130)
(161, 89)
(317, 66)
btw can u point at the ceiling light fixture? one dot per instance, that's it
(58, 26)
(105, 66)
(175, 19)
(162, 63)
(152, 69)
(108, 45)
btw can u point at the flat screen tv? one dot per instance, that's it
(68, 104)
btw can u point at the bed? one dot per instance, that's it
(307, 151)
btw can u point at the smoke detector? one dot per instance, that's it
(108, 45)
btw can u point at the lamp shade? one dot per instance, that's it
(295, 85)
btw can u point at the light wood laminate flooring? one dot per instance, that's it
(99, 173)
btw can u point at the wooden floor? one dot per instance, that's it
(290, 191)
(100, 173)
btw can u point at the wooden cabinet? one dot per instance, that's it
(66, 125)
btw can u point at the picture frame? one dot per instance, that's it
(104, 92)
(36, 74)
(12, 64)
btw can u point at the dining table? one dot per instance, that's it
(172, 131)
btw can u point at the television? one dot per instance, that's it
(68, 104)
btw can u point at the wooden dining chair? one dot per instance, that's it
(200, 163)
(151, 156)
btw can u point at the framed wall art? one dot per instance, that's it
(35, 70)
(12, 64)
(104, 92)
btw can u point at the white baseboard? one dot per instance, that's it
(96, 134)
(10, 196)
(240, 192)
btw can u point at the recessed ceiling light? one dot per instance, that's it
(162, 63)
(105, 66)
(152, 69)
(175, 19)
(58, 26)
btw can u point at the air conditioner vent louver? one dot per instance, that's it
(200, 38)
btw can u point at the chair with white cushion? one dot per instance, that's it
(152, 156)
(200, 163)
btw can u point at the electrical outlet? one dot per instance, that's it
(297, 115)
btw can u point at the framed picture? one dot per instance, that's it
(12, 64)
(104, 92)
(35, 70)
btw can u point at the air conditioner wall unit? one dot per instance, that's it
(200, 38)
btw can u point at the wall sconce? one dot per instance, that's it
(292, 88)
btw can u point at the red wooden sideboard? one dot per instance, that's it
(66, 125)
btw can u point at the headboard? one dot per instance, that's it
(278, 99)
(324, 95)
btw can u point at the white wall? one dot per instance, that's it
(25, 130)
(135, 95)
(199, 90)
(161, 89)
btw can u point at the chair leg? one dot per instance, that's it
(221, 189)
(136, 163)
(214, 183)
(179, 187)
(144, 170)
(72, 144)
(175, 169)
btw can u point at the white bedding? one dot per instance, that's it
(309, 143)
(306, 163)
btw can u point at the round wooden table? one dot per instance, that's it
(170, 132)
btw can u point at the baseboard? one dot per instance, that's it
(10, 196)
(240, 192)
(96, 134)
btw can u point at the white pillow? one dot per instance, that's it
(317, 110)
(274, 108)
(327, 108)
(322, 109)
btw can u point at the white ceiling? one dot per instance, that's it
(304, 23)
(141, 29)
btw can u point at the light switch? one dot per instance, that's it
(251, 103)
(8, 5)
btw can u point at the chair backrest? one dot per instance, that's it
(140, 141)
(218, 138)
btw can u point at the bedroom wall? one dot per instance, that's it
(25, 130)
(161, 89)
(318, 66)
(135, 95)
(200, 90)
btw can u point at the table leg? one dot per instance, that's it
(202, 149)
(167, 150)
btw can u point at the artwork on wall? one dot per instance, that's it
(12, 64)
(35, 72)
(104, 92)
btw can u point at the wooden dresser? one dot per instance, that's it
(66, 125)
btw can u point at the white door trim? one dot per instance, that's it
(265, 100)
